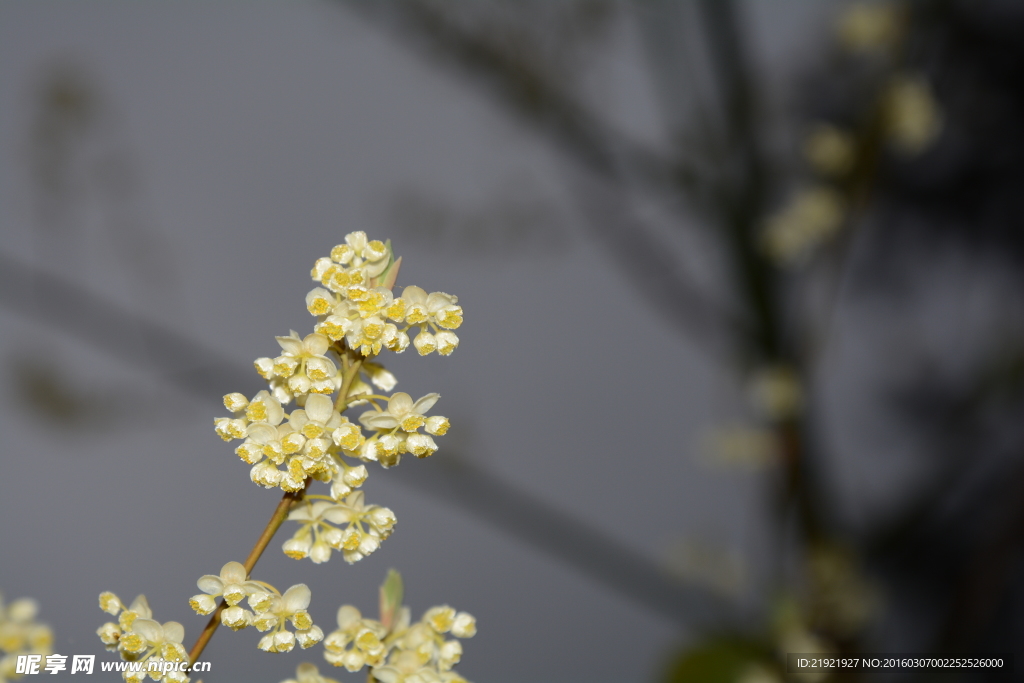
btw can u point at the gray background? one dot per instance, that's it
(250, 137)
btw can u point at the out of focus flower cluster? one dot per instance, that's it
(270, 610)
(138, 638)
(404, 653)
(21, 634)
(904, 115)
(396, 650)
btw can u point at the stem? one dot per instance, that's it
(276, 520)
(346, 384)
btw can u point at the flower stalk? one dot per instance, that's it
(289, 500)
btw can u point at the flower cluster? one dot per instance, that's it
(356, 303)
(396, 430)
(913, 117)
(365, 527)
(812, 218)
(904, 115)
(870, 27)
(329, 371)
(323, 375)
(138, 638)
(20, 634)
(317, 441)
(271, 610)
(397, 651)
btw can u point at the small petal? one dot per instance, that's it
(297, 597)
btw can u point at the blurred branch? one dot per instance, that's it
(740, 193)
(989, 574)
(30, 291)
(527, 91)
(109, 327)
(593, 145)
(652, 268)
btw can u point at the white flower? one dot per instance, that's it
(436, 308)
(20, 634)
(141, 639)
(282, 609)
(365, 528)
(440, 618)
(308, 673)
(265, 440)
(356, 642)
(406, 667)
(139, 608)
(464, 625)
(351, 270)
(263, 408)
(397, 429)
(421, 653)
(380, 377)
(311, 540)
(232, 584)
(425, 343)
(361, 321)
(163, 639)
(356, 542)
(444, 310)
(302, 366)
(236, 618)
(437, 425)
(401, 413)
(446, 342)
(317, 418)
(396, 651)
(348, 436)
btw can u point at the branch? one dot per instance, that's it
(527, 91)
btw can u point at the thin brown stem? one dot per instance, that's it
(276, 520)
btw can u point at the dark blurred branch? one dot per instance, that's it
(596, 147)
(47, 298)
(989, 573)
(742, 193)
(650, 267)
(527, 91)
(159, 349)
(741, 189)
